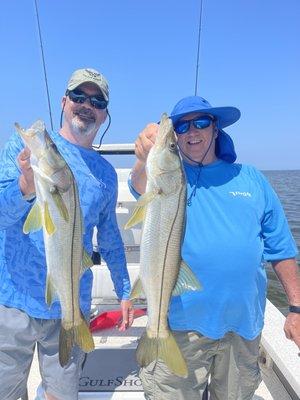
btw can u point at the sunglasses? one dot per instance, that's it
(77, 96)
(198, 123)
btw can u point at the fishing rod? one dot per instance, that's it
(44, 63)
(46, 79)
(198, 46)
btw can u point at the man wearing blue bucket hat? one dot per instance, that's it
(234, 223)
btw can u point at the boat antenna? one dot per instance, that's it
(44, 64)
(198, 46)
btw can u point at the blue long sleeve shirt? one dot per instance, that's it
(22, 257)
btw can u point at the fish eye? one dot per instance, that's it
(53, 145)
(173, 146)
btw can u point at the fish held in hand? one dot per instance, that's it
(57, 211)
(163, 273)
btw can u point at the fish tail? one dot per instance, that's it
(66, 342)
(166, 349)
(83, 337)
(79, 335)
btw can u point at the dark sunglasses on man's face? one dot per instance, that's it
(77, 96)
(198, 123)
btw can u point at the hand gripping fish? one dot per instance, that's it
(163, 273)
(57, 211)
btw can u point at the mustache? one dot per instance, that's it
(85, 112)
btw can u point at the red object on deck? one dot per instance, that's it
(110, 319)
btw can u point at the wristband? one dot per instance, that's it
(295, 309)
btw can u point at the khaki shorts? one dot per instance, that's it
(230, 365)
(19, 334)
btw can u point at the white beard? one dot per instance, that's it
(81, 128)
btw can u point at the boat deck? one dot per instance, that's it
(262, 392)
(270, 389)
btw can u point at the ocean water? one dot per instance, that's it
(287, 186)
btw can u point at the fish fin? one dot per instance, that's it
(33, 221)
(165, 349)
(49, 225)
(79, 335)
(83, 337)
(186, 280)
(86, 261)
(137, 290)
(139, 212)
(147, 197)
(51, 294)
(66, 343)
(19, 129)
(137, 216)
(60, 204)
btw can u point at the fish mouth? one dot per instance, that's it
(37, 127)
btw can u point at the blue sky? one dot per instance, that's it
(249, 58)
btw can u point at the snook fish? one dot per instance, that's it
(163, 273)
(57, 210)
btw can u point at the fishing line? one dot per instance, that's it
(44, 64)
(198, 46)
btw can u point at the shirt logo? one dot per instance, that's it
(244, 194)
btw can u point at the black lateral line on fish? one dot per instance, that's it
(72, 246)
(163, 272)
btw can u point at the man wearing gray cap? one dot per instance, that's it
(234, 223)
(25, 318)
(86, 110)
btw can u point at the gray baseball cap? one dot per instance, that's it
(89, 75)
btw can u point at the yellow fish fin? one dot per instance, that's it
(147, 197)
(166, 349)
(139, 212)
(51, 294)
(137, 216)
(83, 336)
(77, 334)
(137, 290)
(66, 343)
(186, 280)
(33, 221)
(49, 225)
(86, 261)
(60, 204)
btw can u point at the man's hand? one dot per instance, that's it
(287, 272)
(26, 180)
(145, 141)
(143, 144)
(292, 327)
(127, 315)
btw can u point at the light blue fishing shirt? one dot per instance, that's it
(235, 223)
(22, 257)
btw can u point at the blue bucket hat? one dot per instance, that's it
(225, 116)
